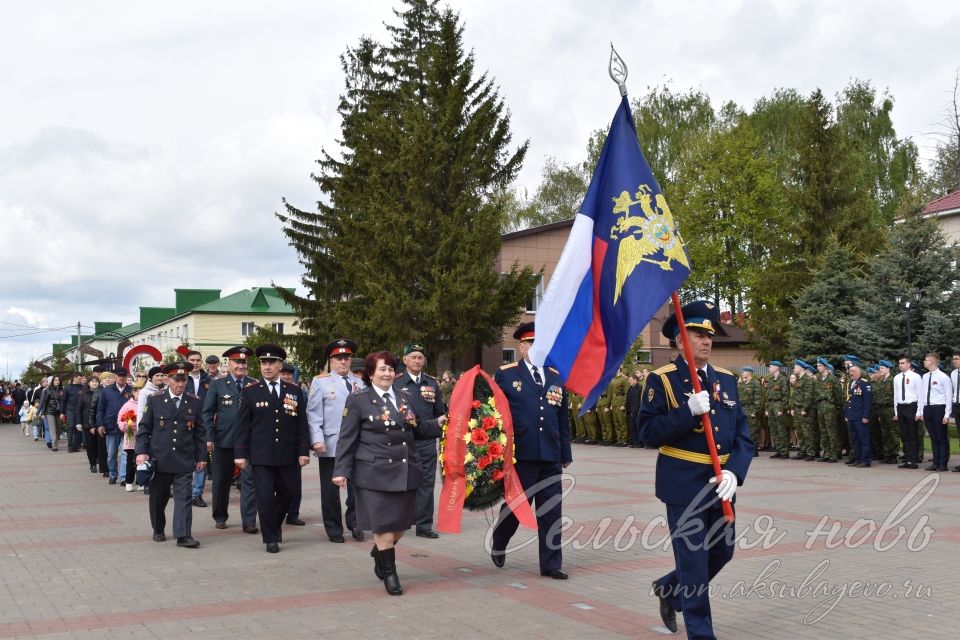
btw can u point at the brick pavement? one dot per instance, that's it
(77, 561)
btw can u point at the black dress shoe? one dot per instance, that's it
(295, 521)
(427, 533)
(556, 574)
(499, 558)
(273, 547)
(221, 525)
(931, 467)
(146, 491)
(956, 469)
(250, 528)
(159, 537)
(337, 538)
(942, 467)
(667, 613)
(198, 502)
(907, 465)
(112, 481)
(358, 535)
(187, 542)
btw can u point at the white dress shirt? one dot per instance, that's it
(906, 388)
(955, 380)
(935, 390)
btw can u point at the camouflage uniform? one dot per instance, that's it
(574, 402)
(827, 390)
(591, 425)
(777, 397)
(618, 409)
(751, 395)
(889, 442)
(805, 418)
(605, 416)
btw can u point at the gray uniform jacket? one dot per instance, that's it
(172, 436)
(328, 397)
(377, 444)
(220, 409)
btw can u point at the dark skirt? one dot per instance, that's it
(385, 511)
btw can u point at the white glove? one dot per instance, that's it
(79, 427)
(699, 403)
(728, 485)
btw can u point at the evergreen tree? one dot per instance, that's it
(405, 241)
(820, 324)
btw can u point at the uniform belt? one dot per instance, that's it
(692, 456)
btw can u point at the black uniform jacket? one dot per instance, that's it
(173, 437)
(272, 431)
(376, 448)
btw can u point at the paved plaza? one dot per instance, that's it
(78, 561)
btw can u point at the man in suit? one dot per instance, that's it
(541, 435)
(422, 392)
(857, 412)
(328, 397)
(670, 419)
(171, 436)
(273, 437)
(198, 382)
(221, 406)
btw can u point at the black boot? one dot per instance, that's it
(377, 562)
(391, 581)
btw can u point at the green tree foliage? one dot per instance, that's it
(944, 175)
(819, 324)
(405, 239)
(266, 334)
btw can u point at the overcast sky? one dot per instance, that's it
(145, 146)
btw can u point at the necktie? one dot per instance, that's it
(956, 389)
(389, 401)
(929, 386)
(703, 379)
(346, 381)
(536, 376)
(273, 389)
(176, 402)
(903, 388)
(416, 381)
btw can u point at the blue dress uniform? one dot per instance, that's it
(684, 470)
(272, 434)
(427, 402)
(173, 438)
(541, 433)
(221, 406)
(856, 410)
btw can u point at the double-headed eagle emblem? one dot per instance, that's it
(646, 235)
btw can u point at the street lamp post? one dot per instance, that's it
(901, 299)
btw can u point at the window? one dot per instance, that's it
(186, 333)
(508, 356)
(537, 297)
(247, 329)
(278, 327)
(643, 356)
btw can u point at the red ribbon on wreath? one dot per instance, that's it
(455, 448)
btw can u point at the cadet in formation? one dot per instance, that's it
(751, 397)
(776, 396)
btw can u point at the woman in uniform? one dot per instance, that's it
(377, 453)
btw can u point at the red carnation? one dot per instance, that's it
(498, 475)
(489, 422)
(479, 437)
(495, 449)
(484, 461)
(476, 404)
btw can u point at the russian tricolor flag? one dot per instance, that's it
(623, 259)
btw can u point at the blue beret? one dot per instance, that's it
(823, 361)
(810, 367)
(747, 368)
(871, 369)
(886, 363)
(830, 366)
(851, 358)
(776, 363)
(800, 363)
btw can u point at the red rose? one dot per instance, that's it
(498, 475)
(489, 422)
(484, 461)
(495, 449)
(479, 437)
(476, 404)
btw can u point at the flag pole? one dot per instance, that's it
(707, 426)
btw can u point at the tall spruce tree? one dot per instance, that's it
(405, 241)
